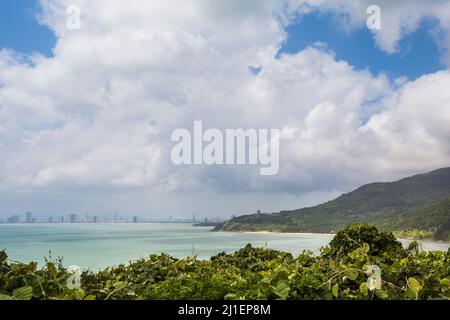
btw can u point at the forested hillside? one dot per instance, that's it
(418, 203)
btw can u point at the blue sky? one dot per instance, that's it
(419, 53)
(20, 30)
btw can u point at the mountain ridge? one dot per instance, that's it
(388, 205)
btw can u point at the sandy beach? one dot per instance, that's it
(288, 233)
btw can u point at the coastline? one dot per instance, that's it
(328, 234)
(424, 240)
(287, 233)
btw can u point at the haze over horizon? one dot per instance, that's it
(86, 115)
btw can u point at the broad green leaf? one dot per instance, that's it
(261, 296)
(5, 297)
(332, 264)
(335, 290)
(80, 294)
(445, 282)
(404, 262)
(52, 269)
(119, 284)
(381, 294)
(352, 274)
(231, 296)
(24, 293)
(282, 290)
(363, 288)
(411, 294)
(366, 248)
(413, 291)
(281, 275)
(414, 284)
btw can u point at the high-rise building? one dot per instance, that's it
(135, 219)
(13, 219)
(29, 217)
(73, 218)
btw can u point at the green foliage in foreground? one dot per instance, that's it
(346, 269)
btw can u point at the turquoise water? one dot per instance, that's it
(96, 246)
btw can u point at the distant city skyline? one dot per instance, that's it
(29, 218)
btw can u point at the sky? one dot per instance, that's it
(86, 114)
(20, 29)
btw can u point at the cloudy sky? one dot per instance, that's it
(86, 114)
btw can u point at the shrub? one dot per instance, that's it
(356, 235)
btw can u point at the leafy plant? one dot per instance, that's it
(359, 263)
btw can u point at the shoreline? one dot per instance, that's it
(326, 234)
(278, 233)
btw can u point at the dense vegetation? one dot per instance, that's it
(359, 263)
(417, 207)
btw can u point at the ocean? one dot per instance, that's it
(96, 246)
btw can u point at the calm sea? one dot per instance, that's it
(97, 246)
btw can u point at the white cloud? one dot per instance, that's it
(99, 114)
(398, 18)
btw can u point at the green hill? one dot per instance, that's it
(418, 205)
